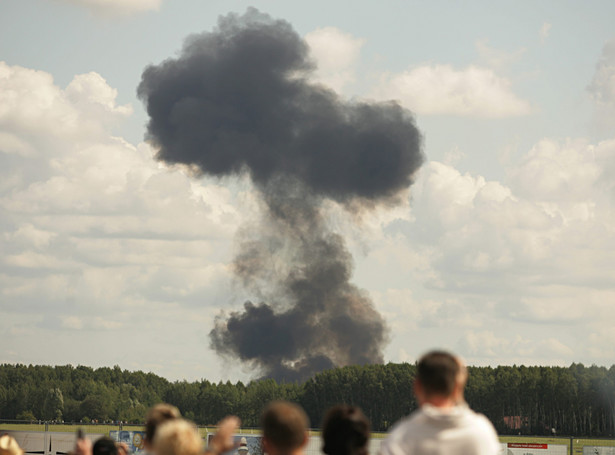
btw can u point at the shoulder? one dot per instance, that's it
(481, 421)
(484, 433)
(401, 434)
(407, 424)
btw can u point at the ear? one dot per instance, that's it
(458, 393)
(419, 392)
(417, 387)
(306, 439)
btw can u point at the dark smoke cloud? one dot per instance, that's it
(238, 100)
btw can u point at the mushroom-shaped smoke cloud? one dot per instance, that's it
(238, 100)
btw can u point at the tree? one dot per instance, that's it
(26, 415)
(53, 406)
(95, 407)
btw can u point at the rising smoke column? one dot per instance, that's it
(238, 100)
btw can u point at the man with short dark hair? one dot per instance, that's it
(104, 446)
(285, 429)
(444, 424)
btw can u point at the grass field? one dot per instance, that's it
(90, 428)
(58, 428)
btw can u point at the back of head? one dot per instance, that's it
(345, 431)
(438, 373)
(178, 437)
(156, 416)
(284, 425)
(104, 446)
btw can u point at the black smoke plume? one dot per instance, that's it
(238, 100)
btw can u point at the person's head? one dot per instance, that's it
(284, 428)
(104, 446)
(9, 446)
(345, 431)
(440, 379)
(177, 437)
(156, 416)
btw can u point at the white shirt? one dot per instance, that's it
(439, 431)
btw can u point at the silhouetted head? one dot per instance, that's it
(440, 379)
(345, 431)
(284, 426)
(104, 446)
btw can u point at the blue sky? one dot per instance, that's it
(501, 251)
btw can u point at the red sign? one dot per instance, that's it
(520, 445)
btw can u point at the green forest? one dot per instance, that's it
(574, 401)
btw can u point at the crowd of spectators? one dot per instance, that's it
(443, 424)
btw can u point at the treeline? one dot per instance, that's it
(577, 400)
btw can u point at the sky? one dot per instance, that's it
(502, 250)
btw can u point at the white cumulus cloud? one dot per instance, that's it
(117, 7)
(336, 54)
(96, 234)
(518, 269)
(602, 87)
(545, 29)
(442, 89)
(497, 59)
(32, 106)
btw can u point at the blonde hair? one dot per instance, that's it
(158, 415)
(9, 446)
(177, 437)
